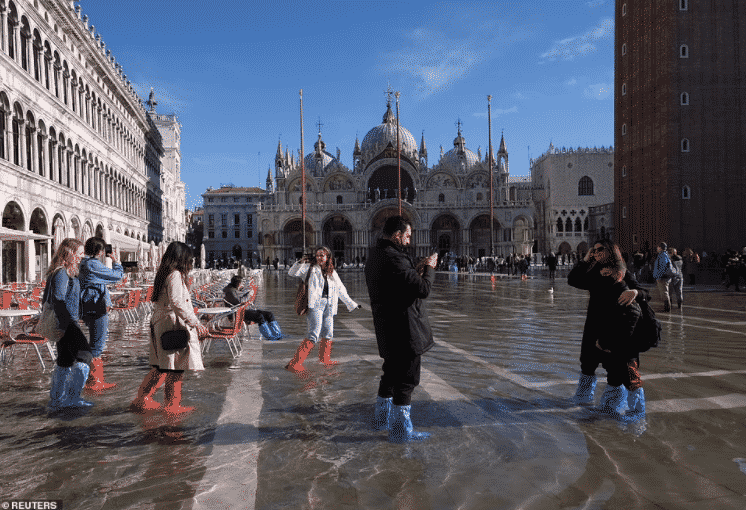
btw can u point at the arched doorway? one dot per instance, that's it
(564, 252)
(376, 227)
(445, 233)
(293, 233)
(39, 225)
(384, 183)
(13, 251)
(338, 237)
(479, 232)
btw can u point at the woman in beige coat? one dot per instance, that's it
(172, 311)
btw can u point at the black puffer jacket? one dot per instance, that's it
(608, 322)
(396, 292)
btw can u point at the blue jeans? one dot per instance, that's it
(320, 321)
(98, 328)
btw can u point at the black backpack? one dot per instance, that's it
(648, 329)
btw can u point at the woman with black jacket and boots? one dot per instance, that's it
(613, 312)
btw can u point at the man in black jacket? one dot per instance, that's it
(396, 290)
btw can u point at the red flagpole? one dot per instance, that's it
(302, 176)
(398, 150)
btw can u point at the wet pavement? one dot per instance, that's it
(494, 395)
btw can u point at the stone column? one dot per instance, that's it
(30, 260)
(21, 143)
(53, 175)
(4, 28)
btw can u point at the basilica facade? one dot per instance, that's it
(447, 202)
(80, 154)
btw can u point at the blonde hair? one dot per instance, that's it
(64, 256)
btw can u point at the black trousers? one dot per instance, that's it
(257, 316)
(401, 375)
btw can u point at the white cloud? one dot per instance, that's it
(580, 45)
(599, 91)
(435, 61)
(497, 111)
(571, 82)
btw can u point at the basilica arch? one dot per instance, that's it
(40, 225)
(292, 241)
(337, 235)
(445, 234)
(479, 234)
(384, 183)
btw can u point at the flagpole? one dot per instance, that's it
(302, 176)
(398, 151)
(492, 220)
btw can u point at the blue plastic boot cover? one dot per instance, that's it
(636, 403)
(401, 430)
(382, 414)
(75, 384)
(614, 400)
(276, 331)
(57, 389)
(586, 389)
(265, 331)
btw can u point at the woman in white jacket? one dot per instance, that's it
(324, 289)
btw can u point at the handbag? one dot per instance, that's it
(174, 339)
(648, 329)
(301, 297)
(48, 326)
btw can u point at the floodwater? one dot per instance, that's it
(494, 395)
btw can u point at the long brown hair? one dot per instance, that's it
(328, 268)
(178, 257)
(614, 261)
(64, 256)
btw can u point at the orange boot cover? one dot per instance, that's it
(325, 352)
(96, 380)
(144, 400)
(172, 405)
(296, 364)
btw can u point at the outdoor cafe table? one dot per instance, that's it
(8, 316)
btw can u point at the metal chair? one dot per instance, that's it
(22, 334)
(229, 333)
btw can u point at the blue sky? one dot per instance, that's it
(231, 70)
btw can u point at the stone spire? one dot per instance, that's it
(269, 180)
(502, 149)
(356, 151)
(423, 149)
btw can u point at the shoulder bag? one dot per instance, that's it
(48, 326)
(301, 297)
(174, 339)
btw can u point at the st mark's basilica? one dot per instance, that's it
(448, 203)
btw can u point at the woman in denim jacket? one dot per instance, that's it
(324, 290)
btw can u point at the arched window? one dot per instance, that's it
(684, 145)
(624, 129)
(624, 9)
(624, 212)
(684, 98)
(683, 5)
(560, 226)
(339, 199)
(568, 225)
(578, 225)
(479, 197)
(624, 49)
(441, 198)
(686, 193)
(624, 89)
(684, 51)
(624, 171)
(585, 186)
(586, 223)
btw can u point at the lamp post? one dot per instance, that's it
(302, 177)
(492, 220)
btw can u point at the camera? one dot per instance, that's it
(108, 250)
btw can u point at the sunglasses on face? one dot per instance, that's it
(597, 250)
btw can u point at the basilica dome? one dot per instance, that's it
(318, 161)
(454, 158)
(385, 133)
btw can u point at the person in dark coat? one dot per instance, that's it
(552, 264)
(613, 312)
(264, 319)
(403, 333)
